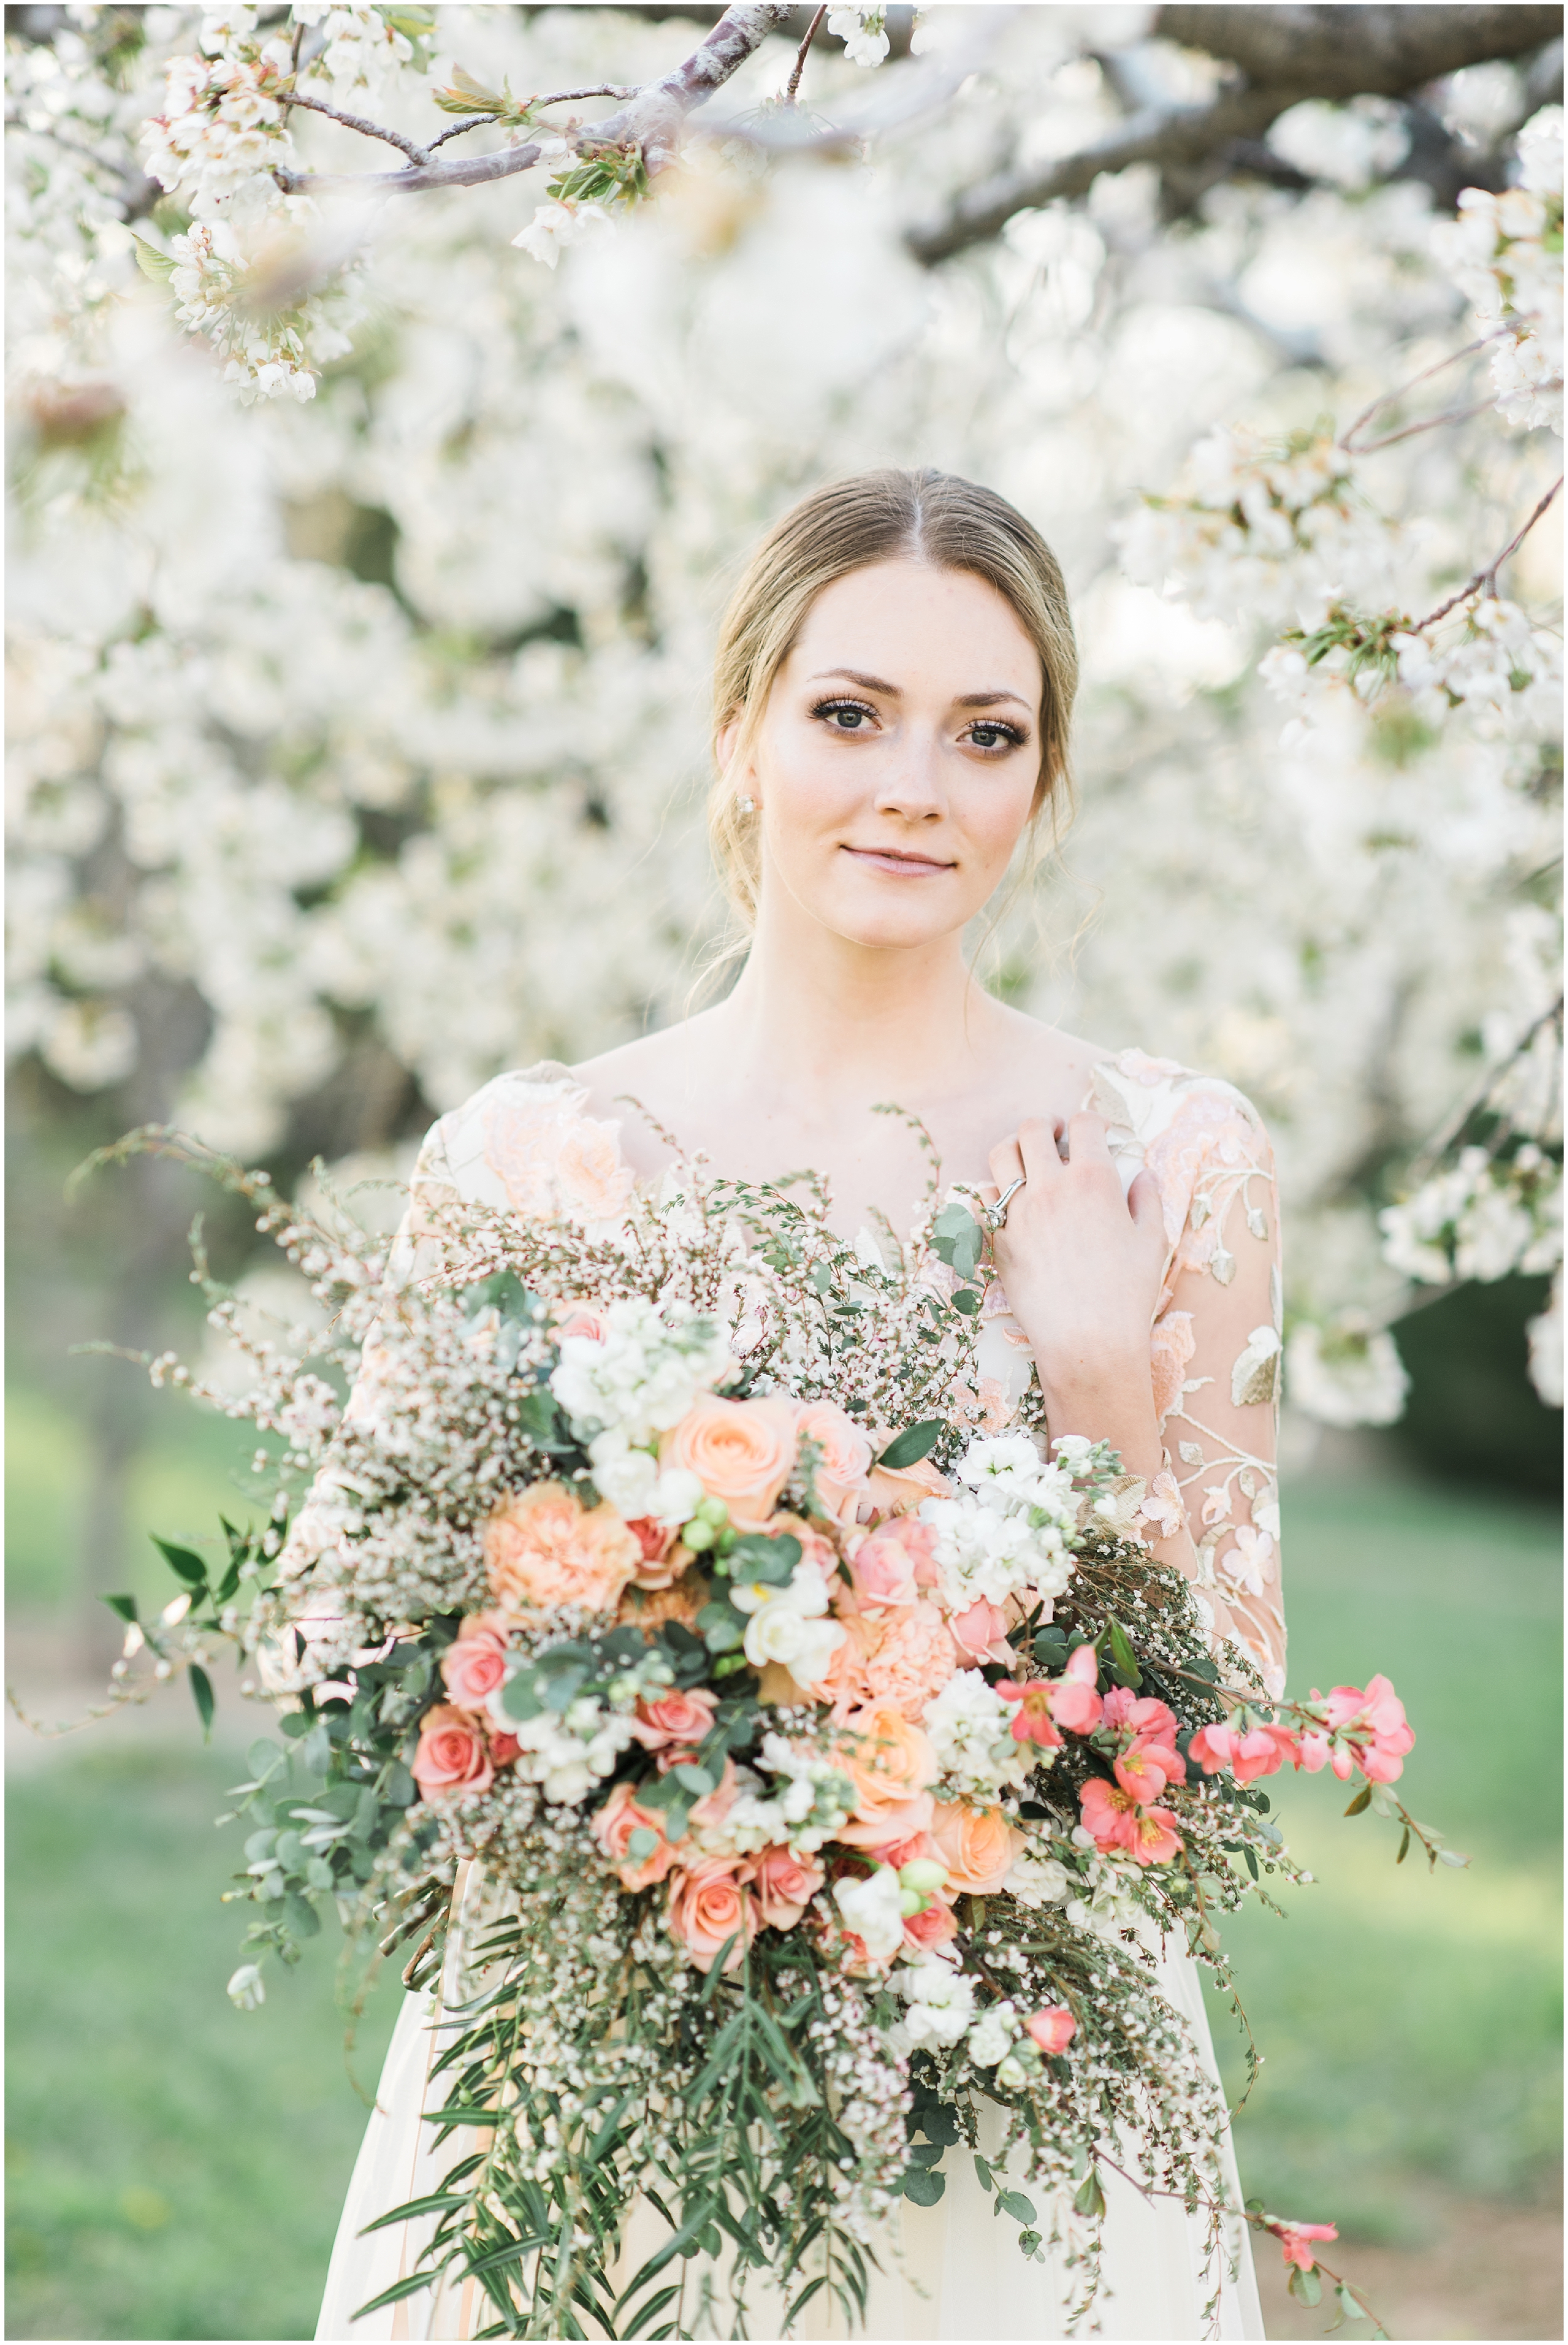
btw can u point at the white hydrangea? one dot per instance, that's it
(939, 1998)
(652, 1365)
(970, 1730)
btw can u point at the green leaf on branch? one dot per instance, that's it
(956, 1238)
(908, 1449)
(1348, 2309)
(924, 2187)
(1088, 2198)
(181, 1562)
(159, 265)
(1362, 1800)
(1404, 1845)
(206, 1700)
(1305, 2286)
(125, 1606)
(984, 2171)
(1122, 1654)
(1014, 2203)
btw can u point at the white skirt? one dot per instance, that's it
(952, 2270)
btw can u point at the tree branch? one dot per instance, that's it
(1487, 578)
(414, 153)
(651, 120)
(792, 87)
(1285, 53)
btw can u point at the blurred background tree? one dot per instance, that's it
(365, 568)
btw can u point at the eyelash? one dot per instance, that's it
(1012, 734)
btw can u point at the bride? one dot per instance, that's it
(893, 690)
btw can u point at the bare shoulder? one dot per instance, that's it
(1042, 1062)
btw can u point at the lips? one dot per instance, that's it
(902, 865)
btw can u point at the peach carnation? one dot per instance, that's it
(614, 1827)
(475, 1664)
(740, 1450)
(891, 1765)
(978, 1845)
(544, 1546)
(914, 1659)
(453, 1760)
(709, 1905)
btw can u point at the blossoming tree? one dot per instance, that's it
(372, 524)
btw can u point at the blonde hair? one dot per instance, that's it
(883, 516)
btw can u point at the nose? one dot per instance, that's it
(910, 781)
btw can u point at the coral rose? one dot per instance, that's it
(614, 1827)
(891, 1765)
(544, 1546)
(473, 1666)
(708, 1906)
(740, 1450)
(452, 1759)
(934, 1927)
(840, 1470)
(784, 1885)
(677, 1721)
(978, 1845)
(1052, 2029)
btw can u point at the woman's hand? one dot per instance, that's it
(1082, 1267)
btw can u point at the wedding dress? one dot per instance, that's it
(947, 2272)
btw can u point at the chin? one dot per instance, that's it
(882, 927)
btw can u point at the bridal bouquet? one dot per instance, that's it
(828, 1762)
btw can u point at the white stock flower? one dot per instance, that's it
(1035, 1881)
(971, 1728)
(993, 2035)
(628, 1478)
(872, 1909)
(939, 1997)
(645, 1375)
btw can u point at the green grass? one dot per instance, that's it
(176, 2168)
(1411, 2020)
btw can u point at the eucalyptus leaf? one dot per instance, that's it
(923, 2185)
(908, 1447)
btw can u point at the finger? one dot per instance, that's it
(1007, 1163)
(1145, 1206)
(1086, 1140)
(1038, 1149)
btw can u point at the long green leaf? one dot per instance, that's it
(908, 1449)
(181, 1560)
(433, 2205)
(206, 1700)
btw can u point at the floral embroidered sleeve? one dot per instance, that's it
(1216, 1341)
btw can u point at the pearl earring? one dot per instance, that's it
(747, 806)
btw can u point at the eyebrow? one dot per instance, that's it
(893, 691)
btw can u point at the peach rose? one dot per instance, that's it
(845, 1461)
(784, 1885)
(886, 1561)
(740, 1450)
(933, 1927)
(978, 1631)
(614, 1827)
(473, 1667)
(914, 1660)
(452, 1759)
(677, 1721)
(978, 1845)
(891, 1765)
(584, 1320)
(708, 1906)
(664, 1558)
(544, 1546)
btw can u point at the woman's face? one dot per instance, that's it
(899, 756)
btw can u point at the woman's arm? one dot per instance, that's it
(1089, 1273)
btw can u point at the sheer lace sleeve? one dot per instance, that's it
(1217, 1337)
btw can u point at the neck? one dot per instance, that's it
(827, 1020)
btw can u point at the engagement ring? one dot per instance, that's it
(995, 1217)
